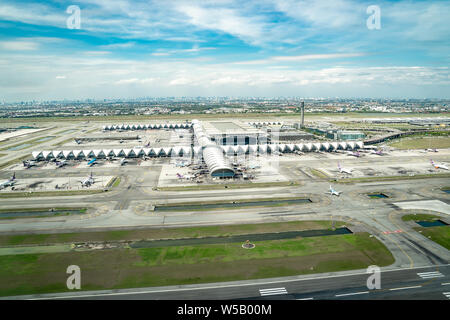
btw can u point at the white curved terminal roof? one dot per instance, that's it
(212, 153)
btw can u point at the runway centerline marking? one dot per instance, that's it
(351, 294)
(404, 288)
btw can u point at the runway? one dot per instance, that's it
(411, 283)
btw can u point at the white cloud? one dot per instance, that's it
(134, 81)
(19, 45)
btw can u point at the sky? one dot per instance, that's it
(262, 48)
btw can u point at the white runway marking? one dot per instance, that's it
(429, 275)
(273, 291)
(351, 294)
(404, 288)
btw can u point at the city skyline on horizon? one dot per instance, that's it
(128, 49)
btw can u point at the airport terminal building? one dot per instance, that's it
(214, 141)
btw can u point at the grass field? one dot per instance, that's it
(32, 143)
(319, 173)
(422, 143)
(165, 233)
(56, 212)
(128, 268)
(420, 217)
(48, 193)
(6, 164)
(440, 235)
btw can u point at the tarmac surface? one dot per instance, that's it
(129, 206)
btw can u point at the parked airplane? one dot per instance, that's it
(354, 154)
(254, 166)
(29, 163)
(88, 181)
(438, 165)
(123, 161)
(92, 162)
(8, 183)
(334, 192)
(344, 170)
(60, 164)
(187, 177)
(378, 152)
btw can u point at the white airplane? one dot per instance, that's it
(88, 181)
(354, 154)
(29, 163)
(8, 183)
(60, 164)
(187, 177)
(438, 165)
(334, 192)
(344, 170)
(378, 152)
(123, 161)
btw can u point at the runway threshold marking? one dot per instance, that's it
(429, 275)
(273, 291)
(351, 294)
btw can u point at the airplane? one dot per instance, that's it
(187, 177)
(378, 152)
(334, 192)
(88, 181)
(29, 163)
(431, 150)
(92, 162)
(78, 141)
(8, 183)
(344, 170)
(60, 164)
(354, 154)
(123, 161)
(438, 165)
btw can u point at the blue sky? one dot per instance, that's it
(315, 48)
